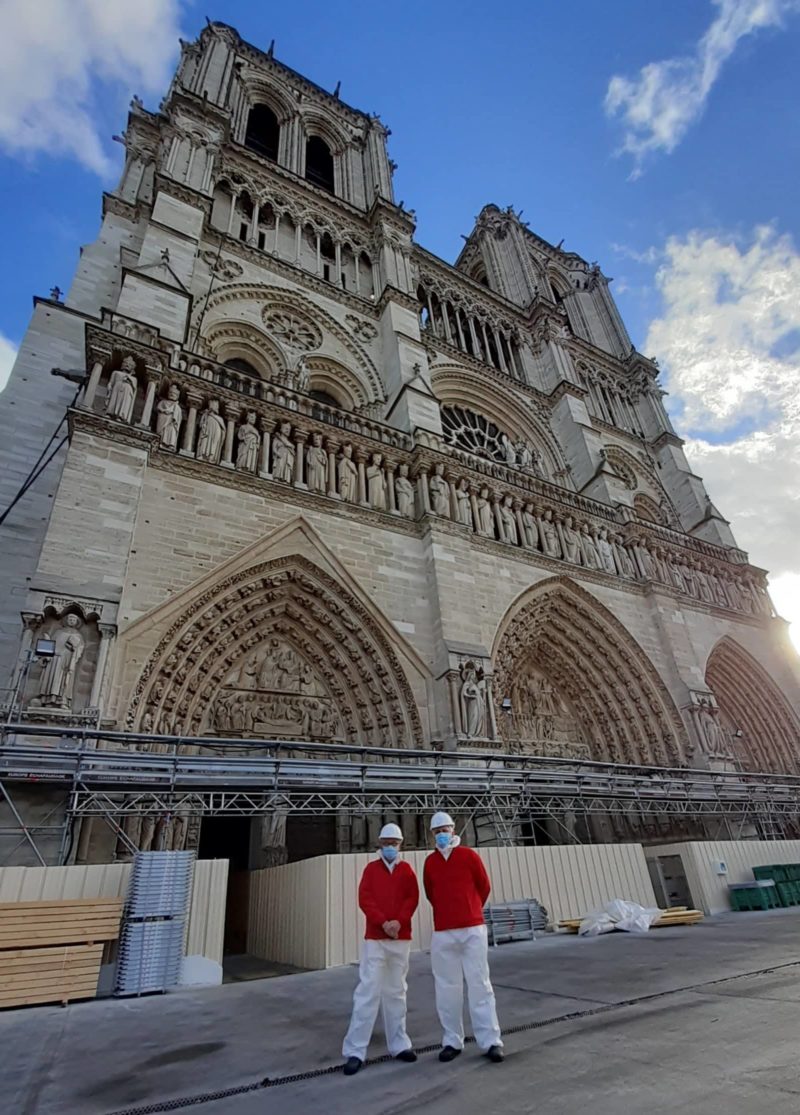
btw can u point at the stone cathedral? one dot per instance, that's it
(320, 484)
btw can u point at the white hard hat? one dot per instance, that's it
(391, 832)
(439, 820)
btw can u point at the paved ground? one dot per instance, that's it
(688, 1042)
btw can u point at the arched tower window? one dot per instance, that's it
(323, 397)
(319, 163)
(263, 132)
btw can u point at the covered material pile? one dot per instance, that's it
(629, 917)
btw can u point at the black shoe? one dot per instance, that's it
(495, 1054)
(352, 1066)
(448, 1053)
(406, 1055)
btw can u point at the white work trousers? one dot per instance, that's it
(458, 955)
(382, 983)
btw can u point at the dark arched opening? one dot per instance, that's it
(263, 132)
(319, 163)
(243, 366)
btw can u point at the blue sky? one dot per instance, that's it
(660, 139)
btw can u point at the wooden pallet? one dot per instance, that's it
(677, 915)
(51, 951)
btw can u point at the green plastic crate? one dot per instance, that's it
(744, 897)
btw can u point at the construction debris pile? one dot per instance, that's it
(629, 917)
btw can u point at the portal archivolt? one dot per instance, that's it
(558, 637)
(279, 650)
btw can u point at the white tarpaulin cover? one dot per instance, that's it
(618, 914)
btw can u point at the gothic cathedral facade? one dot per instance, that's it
(321, 484)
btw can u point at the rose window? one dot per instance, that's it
(293, 332)
(474, 433)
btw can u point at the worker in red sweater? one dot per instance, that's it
(388, 895)
(457, 887)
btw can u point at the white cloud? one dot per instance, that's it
(729, 307)
(60, 60)
(8, 354)
(649, 255)
(659, 105)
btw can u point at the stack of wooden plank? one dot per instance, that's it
(51, 951)
(677, 915)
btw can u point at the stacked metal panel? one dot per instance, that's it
(153, 930)
(515, 921)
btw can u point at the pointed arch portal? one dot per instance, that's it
(763, 728)
(277, 650)
(594, 671)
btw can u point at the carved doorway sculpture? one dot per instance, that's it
(278, 650)
(761, 728)
(579, 685)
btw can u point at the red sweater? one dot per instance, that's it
(457, 888)
(386, 895)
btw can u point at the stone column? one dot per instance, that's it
(560, 532)
(361, 460)
(444, 307)
(455, 701)
(300, 438)
(498, 522)
(501, 356)
(487, 352)
(194, 400)
(390, 492)
(107, 632)
(451, 484)
(231, 414)
(473, 499)
(423, 491)
(266, 440)
(92, 385)
(460, 329)
(491, 714)
(520, 527)
(331, 448)
(149, 399)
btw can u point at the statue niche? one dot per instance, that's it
(540, 722)
(274, 693)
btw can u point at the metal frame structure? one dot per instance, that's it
(123, 774)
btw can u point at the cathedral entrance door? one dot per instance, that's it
(229, 838)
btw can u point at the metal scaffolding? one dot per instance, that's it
(115, 775)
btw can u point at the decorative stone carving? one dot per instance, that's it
(440, 493)
(404, 491)
(212, 434)
(572, 542)
(509, 522)
(294, 333)
(57, 683)
(509, 450)
(606, 551)
(473, 700)
(122, 388)
(363, 329)
(316, 465)
(348, 476)
(283, 453)
(530, 528)
(485, 514)
(591, 555)
(169, 418)
(464, 503)
(249, 442)
(376, 483)
(550, 540)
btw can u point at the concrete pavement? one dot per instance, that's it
(698, 1044)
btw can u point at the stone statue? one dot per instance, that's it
(550, 540)
(626, 566)
(440, 493)
(122, 391)
(348, 475)
(376, 483)
(316, 465)
(606, 551)
(509, 450)
(464, 503)
(249, 441)
(713, 735)
(212, 434)
(169, 418)
(404, 490)
(591, 555)
(58, 679)
(676, 575)
(302, 377)
(509, 521)
(524, 456)
(283, 454)
(473, 701)
(530, 527)
(572, 542)
(485, 514)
